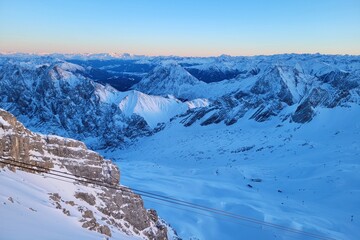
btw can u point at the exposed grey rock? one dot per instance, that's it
(66, 212)
(89, 198)
(104, 230)
(130, 205)
(92, 224)
(118, 208)
(304, 113)
(55, 197)
(88, 214)
(71, 203)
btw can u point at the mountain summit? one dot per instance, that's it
(169, 78)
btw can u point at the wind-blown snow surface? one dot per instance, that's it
(308, 175)
(25, 202)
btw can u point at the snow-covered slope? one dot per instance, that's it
(278, 142)
(156, 109)
(25, 205)
(289, 86)
(302, 176)
(53, 207)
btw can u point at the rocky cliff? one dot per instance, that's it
(103, 210)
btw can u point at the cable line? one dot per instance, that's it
(172, 200)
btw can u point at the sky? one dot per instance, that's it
(181, 27)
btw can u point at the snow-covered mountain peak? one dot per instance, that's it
(64, 74)
(169, 78)
(295, 80)
(107, 94)
(70, 67)
(198, 103)
(156, 109)
(173, 72)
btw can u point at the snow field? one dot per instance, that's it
(300, 176)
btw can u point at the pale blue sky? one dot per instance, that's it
(181, 27)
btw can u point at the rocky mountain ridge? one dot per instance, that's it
(103, 210)
(281, 91)
(51, 95)
(263, 119)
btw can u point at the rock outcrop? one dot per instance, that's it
(120, 209)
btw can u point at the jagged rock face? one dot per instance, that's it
(55, 97)
(343, 89)
(121, 209)
(276, 89)
(267, 96)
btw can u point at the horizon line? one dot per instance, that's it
(125, 54)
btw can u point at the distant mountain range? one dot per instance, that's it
(80, 96)
(273, 137)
